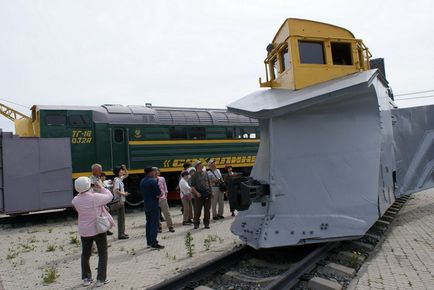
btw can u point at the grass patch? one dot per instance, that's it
(50, 275)
(51, 248)
(73, 240)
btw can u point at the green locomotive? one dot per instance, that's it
(139, 136)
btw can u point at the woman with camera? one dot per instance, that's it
(90, 205)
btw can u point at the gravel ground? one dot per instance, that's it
(52, 250)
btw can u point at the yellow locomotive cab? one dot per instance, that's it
(305, 52)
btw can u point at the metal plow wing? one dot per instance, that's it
(413, 132)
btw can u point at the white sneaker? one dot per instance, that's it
(101, 283)
(87, 281)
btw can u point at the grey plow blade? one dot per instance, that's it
(413, 132)
(327, 154)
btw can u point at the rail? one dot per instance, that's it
(186, 279)
(290, 278)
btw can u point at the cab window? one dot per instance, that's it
(230, 133)
(118, 135)
(275, 66)
(55, 120)
(311, 52)
(178, 133)
(79, 120)
(196, 133)
(341, 53)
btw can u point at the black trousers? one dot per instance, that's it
(86, 246)
(121, 220)
(198, 204)
(152, 226)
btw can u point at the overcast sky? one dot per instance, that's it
(196, 53)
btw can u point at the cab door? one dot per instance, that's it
(119, 146)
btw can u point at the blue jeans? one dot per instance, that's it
(152, 225)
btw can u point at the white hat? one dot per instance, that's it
(211, 161)
(82, 184)
(196, 163)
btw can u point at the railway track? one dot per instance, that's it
(285, 268)
(246, 268)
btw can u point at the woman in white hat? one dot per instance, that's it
(90, 204)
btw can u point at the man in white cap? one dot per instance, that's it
(215, 178)
(201, 189)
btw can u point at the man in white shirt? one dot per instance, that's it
(186, 197)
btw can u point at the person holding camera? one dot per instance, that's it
(120, 173)
(218, 189)
(201, 188)
(90, 204)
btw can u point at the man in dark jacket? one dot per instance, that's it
(201, 188)
(151, 193)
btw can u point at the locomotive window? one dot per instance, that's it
(311, 52)
(285, 59)
(197, 133)
(79, 121)
(230, 133)
(118, 135)
(178, 133)
(341, 53)
(55, 120)
(275, 65)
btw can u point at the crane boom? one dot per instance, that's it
(11, 114)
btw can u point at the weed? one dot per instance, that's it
(132, 252)
(50, 275)
(21, 248)
(207, 244)
(211, 238)
(73, 240)
(12, 254)
(354, 259)
(50, 231)
(51, 248)
(170, 257)
(32, 240)
(189, 245)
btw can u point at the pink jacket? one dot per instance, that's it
(85, 204)
(163, 187)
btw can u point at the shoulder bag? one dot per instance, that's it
(102, 221)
